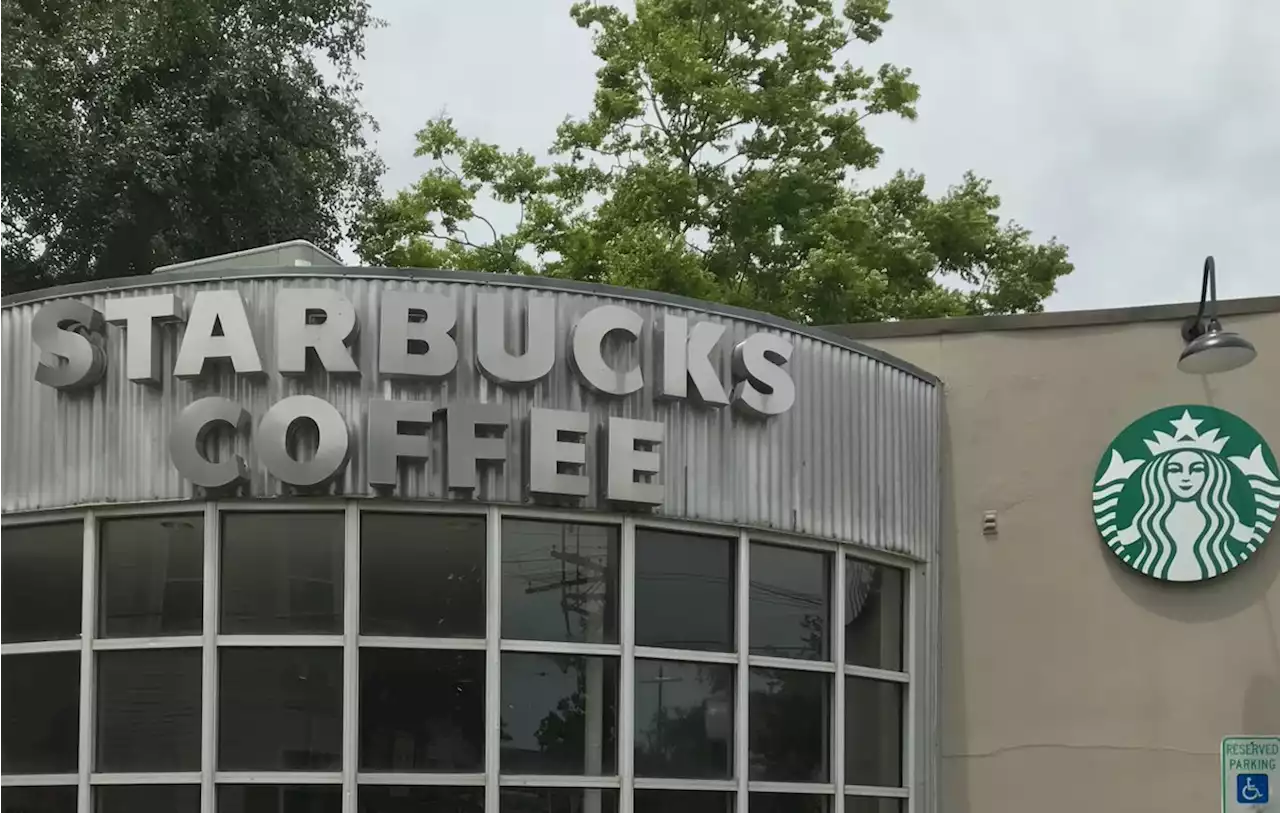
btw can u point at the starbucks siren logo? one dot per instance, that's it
(1186, 493)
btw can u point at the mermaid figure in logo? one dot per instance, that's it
(1186, 518)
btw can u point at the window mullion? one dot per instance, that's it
(627, 672)
(209, 679)
(350, 657)
(492, 671)
(88, 616)
(742, 603)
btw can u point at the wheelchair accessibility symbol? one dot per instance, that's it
(1253, 788)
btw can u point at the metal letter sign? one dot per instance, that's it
(514, 339)
(1250, 774)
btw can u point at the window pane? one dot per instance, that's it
(422, 575)
(869, 804)
(376, 799)
(152, 575)
(39, 800)
(279, 799)
(873, 614)
(559, 714)
(684, 590)
(280, 709)
(872, 732)
(421, 710)
(559, 581)
(135, 798)
(281, 573)
(148, 711)
(789, 803)
(40, 580)
(684, 720)
(41, 713)
(682, 801)
(789, 725)
(558, 800)
(789, 602)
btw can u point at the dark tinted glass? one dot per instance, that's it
(684, 720)
(388, 799)
(39, 800)
(422, 575)
(559, 581)
(148, 711)
(870, 804)
(873, 611)
(40, 582)
(788, 725)
(138, 798)
(789, 803)
(421, 710)
(558, 800)
(559, 714)
(790, 588)
(279, 799)
(281, 573)
(41, 712)
(684, 590)
(280, 709)
(872, 732)
(682, 801)
(151, 570)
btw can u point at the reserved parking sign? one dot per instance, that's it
(1250, 772)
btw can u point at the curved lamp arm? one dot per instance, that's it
(1208, 305)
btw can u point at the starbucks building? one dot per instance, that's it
(282, 536)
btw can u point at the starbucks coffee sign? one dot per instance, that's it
(1186, 493)
(417, 345)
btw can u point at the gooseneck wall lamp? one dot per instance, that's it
(1209, 348)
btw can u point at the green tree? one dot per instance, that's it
(138, 133)
(718, 162)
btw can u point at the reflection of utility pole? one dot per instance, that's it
(662, 680)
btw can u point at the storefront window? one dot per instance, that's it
(151, 577)
(303, 684)
(41, 712)
(41, 582)
(281, 573)
(422, 575)
(790, 602)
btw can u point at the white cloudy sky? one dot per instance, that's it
(1144, 134)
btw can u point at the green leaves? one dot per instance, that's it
(716, 163)
(137, 134)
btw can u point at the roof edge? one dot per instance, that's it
(1051, 319)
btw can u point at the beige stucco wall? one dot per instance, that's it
(1069, 682)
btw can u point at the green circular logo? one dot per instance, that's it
(1186, 493)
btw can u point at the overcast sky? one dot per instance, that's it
(1144, 134)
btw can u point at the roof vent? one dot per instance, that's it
(290, 253)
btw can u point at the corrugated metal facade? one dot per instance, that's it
(855, 459)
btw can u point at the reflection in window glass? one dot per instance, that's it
(422, 575)
(684, 590)
(682, 801)
(148, 711)
(151, 577)
(872, 732)
(279, 709)
(789, 602)
(279, 799)
(870, 804)
(390, 799)
(558, 800)
(788, 725)
(789, 803)
(39, 800)
(136, 798)
(281, 573)
(684, 720)
(41, 711)
(421, 710)
(873, 611)
(559, 581)
(40, 582)
(559, 714)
